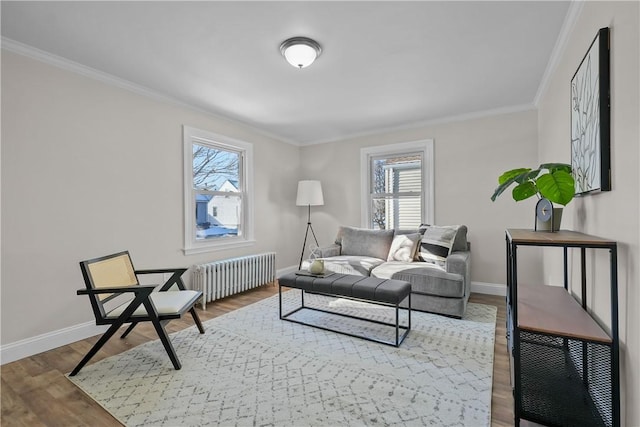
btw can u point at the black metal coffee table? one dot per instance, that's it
(386, 292)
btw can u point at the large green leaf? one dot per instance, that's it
(531, 176)
(558, 186)
(506, 179)
(512, 175)
(500, 189)
(553, 167)
(555, 183)
(524, 191)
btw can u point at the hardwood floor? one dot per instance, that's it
(35, 392)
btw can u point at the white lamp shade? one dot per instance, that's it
(300, 51)
(300, 55)
(309, 193)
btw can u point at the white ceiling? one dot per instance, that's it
(384, 65)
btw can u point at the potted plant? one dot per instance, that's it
(551, 182)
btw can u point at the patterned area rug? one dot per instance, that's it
(251, 368)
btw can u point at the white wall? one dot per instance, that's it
(615, 214)
(469, 157)
(90, 169)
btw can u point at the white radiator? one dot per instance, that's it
(222, 278)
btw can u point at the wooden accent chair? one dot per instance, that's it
(111, 276)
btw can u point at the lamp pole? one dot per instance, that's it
(309, 194)
(309, 227)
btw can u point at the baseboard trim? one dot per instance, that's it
(489, 288)
(38, 344)
(30, 346)
(45, 342)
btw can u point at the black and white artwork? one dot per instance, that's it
(590, 119)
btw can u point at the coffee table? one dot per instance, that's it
(386, 292)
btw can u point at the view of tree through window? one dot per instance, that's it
(212, 166)
(396, 191)
(218, 201)
(218, 191)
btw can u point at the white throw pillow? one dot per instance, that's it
(437, 242)
(404, 247)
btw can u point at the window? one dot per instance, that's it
(397, 185)
(217, 197)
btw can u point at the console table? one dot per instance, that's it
(564, 366)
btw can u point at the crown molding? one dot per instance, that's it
(83, 70)
(109, 79)
(575, 8)
(75, 67)
(431, 122)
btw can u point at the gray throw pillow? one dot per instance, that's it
(437, 242)
(365, 242)
(460, 243)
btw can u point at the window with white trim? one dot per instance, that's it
(397, 185)
(218, 200)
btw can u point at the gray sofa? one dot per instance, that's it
(439, 268)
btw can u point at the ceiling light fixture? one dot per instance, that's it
(300, 51)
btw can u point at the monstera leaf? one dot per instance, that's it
(558, 187)
(550, 180)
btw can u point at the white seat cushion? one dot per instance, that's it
(348, 264)
(169, 302)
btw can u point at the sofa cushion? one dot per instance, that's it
(437, 243)
(425, 278)
(349, 264)
(403, 247)
(365, 242)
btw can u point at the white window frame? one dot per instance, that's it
(192, 136)
(425, 147)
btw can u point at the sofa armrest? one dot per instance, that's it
(326, 251)
(460, 263)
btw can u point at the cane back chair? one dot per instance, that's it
(111, 276)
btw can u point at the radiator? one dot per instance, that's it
(222, 278)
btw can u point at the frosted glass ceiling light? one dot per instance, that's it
(300, 51)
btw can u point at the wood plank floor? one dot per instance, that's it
(35, 392)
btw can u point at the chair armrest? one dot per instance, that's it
(326, 251)
(174, 279)
(460, 263)
(118, 290)
(162, 270)
(457, 262)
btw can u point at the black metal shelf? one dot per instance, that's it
(564, 366)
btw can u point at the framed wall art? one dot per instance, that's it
(590, 119)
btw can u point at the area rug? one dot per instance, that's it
(251, 368)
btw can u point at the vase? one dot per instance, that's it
(317, 266)
(553, 224)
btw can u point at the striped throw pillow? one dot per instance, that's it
(436, 243)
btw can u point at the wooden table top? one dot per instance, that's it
(560, 238)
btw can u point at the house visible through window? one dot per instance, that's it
(216, 191)
(397, 185)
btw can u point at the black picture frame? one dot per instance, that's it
(591, 119)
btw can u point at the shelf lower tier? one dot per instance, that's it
(564, 382)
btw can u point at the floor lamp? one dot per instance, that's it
(309, 194)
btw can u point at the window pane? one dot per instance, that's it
(215, 169)
(396, 190)
(398, 179)
(396, 212)
(398, 173)
(217, 216)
